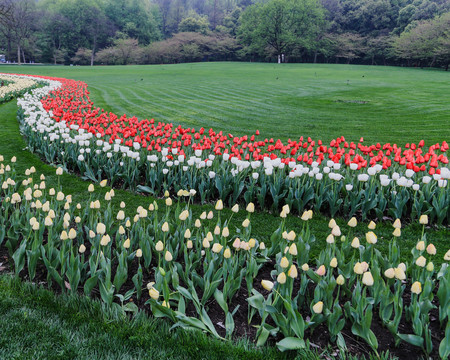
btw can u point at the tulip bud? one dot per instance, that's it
(189, 244)
(333, 262)
(389, 273)
(399, 273)
(82, 249)
(250, 207)
(197, 223)
(352, 222)
(402, 266)
(293, 249)
(103, 183)
(159, 246)
(330, 239)
(126, 244)
(91, 188)
(423, 219)
(291, 236)
(293, 273)
(101, 228)
(430, 266)
(266, 284)
(72, 234)
(210, 215)
(284, 263)
(138, 253)
(305, 216)
(421, 261)
(340, 280)
(318, 307)
(420, 245)
(372, 225)
(121, 230)
(168, 256)
(332, 224)
(168, 201)
(184, 215)
(281, 278)
(35, 226)
(355, 243)
(397, 232)
(305, 267)
(416, 288)
(165, 227)
(336, 231)
(251, 243)
(371, 237)
(154, 294)
(63, 235)
(447, 256)
(358, 269)
(205, 243)
(321, 271)
(219, 205)
(227, 253)
(122, 205)
(246, 223)
(120, 215)
(104, 241)
(48, 221)
(431, 249)
(187, 234)
(367, 279)
(235, 208)
(217, 248)
(397, 224)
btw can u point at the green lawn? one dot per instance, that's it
(381, 104)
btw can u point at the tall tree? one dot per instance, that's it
(280, 26)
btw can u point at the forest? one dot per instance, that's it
(88, 32)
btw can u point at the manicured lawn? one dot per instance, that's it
(381, 104)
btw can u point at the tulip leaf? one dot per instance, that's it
(412, 339)
(291, 343)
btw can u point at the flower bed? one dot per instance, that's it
(199, 273)
(14, 87)
(341, 178)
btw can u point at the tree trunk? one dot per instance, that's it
(18, 54)
(93, 51)
(315, 57)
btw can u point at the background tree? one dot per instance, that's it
(280, 26)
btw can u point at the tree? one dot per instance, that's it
(427, 41)
(18, 24)
(194, 23)
(348, 46)
(280, 26)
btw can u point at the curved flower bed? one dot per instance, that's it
(343, 178)
(14, 86)
(201, 274)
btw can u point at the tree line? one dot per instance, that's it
(397, 32)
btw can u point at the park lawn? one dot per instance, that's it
(381, 104)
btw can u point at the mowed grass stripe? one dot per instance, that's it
(282, 101)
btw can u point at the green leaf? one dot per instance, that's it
(412, 339)
(218, 295)
(291, 343)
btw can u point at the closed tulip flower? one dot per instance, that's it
(82, 249)
(225, 232)
(330, 239)
(389, 273)
(281, 278)
(305, 267)
(291, 235)
(235, 208)
(184, 215)
(318, 307)
(72, 234)
(430, 266)
(284, 263)
(367, 279)
(399, 273)
(250, 207)
(431, 249)
(101, 228)
(159, 246)
(187, 234)
(420, 245)
(266, 284)
(217, 230)
(340, 280)
(423, 219)
(165, 227)
(293, 273)
(138, 253)
(321, 271)
(103, 183)
(421, 261)
(293, 249)
(371, 237)
(219, 205)
(336, 231)
(333, 262)
(246, 223)
(358, 269)
(217, 248)
(189, 244)
(227, 253)
(416, 288)
(332, 223)
(372, 225)
(397, 224)
(168, 256)
(126, 244)
(355, 243)
(352, 222)
(397, 232)
(154, 294)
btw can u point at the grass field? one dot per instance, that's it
(381, 104)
